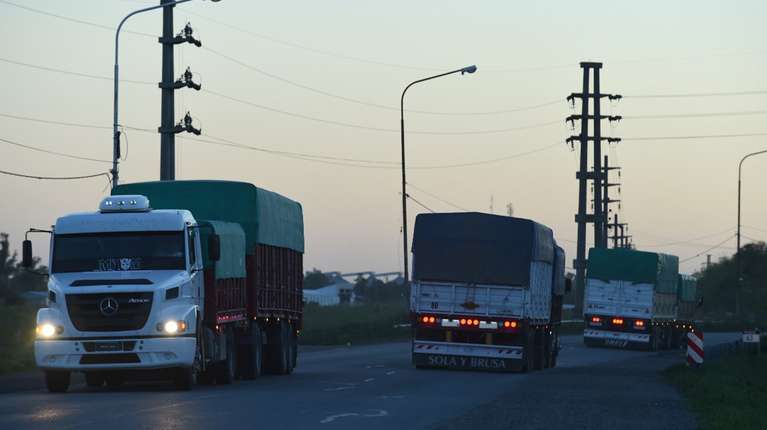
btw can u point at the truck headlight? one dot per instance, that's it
(172, 327)
(48, 330)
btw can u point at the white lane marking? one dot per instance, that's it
(391, 372)
(342, 388)
(369, 380)
(372, 413)
(394, 397)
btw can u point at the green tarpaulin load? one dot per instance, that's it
(266, 217)
(634, 266)
(231, 263)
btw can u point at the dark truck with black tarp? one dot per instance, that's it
(487, 292)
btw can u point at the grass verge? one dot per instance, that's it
(730, 393)
(17, 336)
(342, 324)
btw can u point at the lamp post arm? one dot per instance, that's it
(402, 99)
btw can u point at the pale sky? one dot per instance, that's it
(679, 196)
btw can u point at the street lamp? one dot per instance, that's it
(468, 69)
(115, 123)
(737, 252)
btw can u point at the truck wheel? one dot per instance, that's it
(291, 348)
(57, 381)
(227, 368)
(277, 353)
(94, 379)
(252, 348)
(184, 378)
(528, 353)
(548, 349)
(114, 379)
(538, 349)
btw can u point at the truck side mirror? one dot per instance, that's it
(26, 252)
(214, 247)
(568, 285)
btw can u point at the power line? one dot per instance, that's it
(696, 115)
(58, 178)
(437, 198)
(69, 72)
(379, 129)
(47, 151)
(297, 155)
(316, 119)
(45, 121)
(419, 203)
(751, 238)
(75, 20)
(703, 136)
(678, 242)
(686, 95)
(362, 102)
(707, 250)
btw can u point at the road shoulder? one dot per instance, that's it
(626, 395)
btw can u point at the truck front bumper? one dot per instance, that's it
(467, 356)
(616, 338)
(116, 353)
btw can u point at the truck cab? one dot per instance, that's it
(125, 292)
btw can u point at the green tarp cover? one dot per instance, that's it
(266, 217)
(634, 266)
(688, 288)
(231, 263)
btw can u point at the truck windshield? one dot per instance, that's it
(101, 252)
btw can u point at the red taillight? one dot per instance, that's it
(617, 321)
(425, 320)
(463, 321)
(507, 324)
(596, 320)
(639, 323)
(432, 320)
(476, 322)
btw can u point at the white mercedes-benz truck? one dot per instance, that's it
(204, 285)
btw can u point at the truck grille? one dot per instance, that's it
(109, 312)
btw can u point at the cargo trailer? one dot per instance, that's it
(486, 293)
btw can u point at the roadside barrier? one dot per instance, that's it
(694, 348)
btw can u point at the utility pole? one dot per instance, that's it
(168, 86)
(607, 201)
(599, 217)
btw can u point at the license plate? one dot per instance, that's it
(108, 346)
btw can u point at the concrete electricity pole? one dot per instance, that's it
(168, 86)
(598, 218)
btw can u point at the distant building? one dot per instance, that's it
(340, 291)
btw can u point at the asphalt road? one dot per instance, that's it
(372, 387)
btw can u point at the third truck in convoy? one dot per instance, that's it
(637, 299)
(486, 293)
(187, 279)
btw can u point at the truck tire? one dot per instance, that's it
(94, 379)
(184, 378)
(539, 348)
(57, 381)
(252, 352)
(529, 352)
(292, 348)
(226, 370)
(277, 353)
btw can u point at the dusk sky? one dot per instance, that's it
(322, 79)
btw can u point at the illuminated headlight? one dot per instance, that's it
(47, 330)
(172, 327)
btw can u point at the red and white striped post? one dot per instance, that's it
(694, 348)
